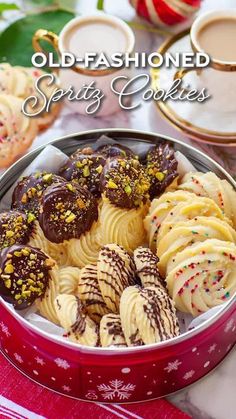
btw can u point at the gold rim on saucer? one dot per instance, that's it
(193, 131)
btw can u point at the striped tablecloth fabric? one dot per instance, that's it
(21, 398)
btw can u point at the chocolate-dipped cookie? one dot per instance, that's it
(67, 211)
(125, 183)
(85, 168)
(16, 227)
(24, 275)
(161, 168)
(28, 191)
(116, 150)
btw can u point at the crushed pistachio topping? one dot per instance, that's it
(85, 169)
(29, 190)
(47, 178)
(25, 278)
(127, 177)
(14, 228)
(31, 217)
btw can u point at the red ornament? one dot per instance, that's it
(166, 12)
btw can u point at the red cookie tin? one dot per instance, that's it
(106, 374)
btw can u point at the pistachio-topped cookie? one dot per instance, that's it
(24, 275)
(116, 150)
(28, 191)
(16, 227)
(67, 211)
(125, 183)
(161, 168)
(85, 168)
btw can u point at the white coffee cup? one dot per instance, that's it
(220, 76)
(79, 76)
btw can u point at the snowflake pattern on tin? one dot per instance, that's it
(5, 330)
(39, 360)
(173, 366)
(189, 375)
(229, 326)
(116, 388)
(66, 388)
(62, 363)
(91, 395)
(212, 348)
(18, 358)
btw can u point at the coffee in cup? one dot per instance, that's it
(91, 34)
(218, 39)
(214, 33)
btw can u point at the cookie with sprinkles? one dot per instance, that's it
(85, 168)
(24, 275)
(15, 228)
(67, 211)
(17, 131)
(210, 185)
(188, 232)
(125, 183)
(202, 276)
(116, 150)
(161, 168)
(28, 192)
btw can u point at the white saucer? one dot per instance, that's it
(199, 120)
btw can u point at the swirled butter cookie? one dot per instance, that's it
(146, 268)
(188, 210)
(184, 234)
(115, 270)
(111, 333)
(90, 294)
(73, 318)
(17, 131)
(210, 185)
(158, 211)
(202, 276)
(148, 313)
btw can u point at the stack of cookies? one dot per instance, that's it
(112, 245)
(18, 131)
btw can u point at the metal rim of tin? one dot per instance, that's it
(91, 136)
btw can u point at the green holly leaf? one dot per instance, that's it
(16, 41)
(8, 6)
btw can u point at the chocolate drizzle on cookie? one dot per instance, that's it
(80, 324)
(161, 168)
(24, 275)
(146, 268)
(15, 228)
(125, 183)
(90, 293)
(115, 273)
(160, 312)
(67, 211)
(85, 168)
(28, 192)
(111, 332)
